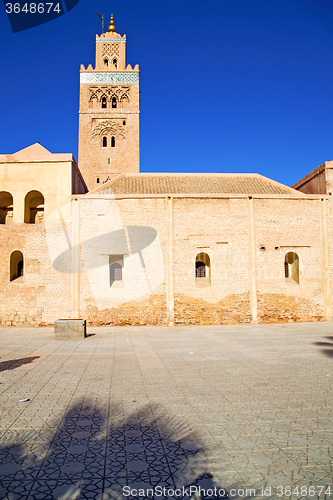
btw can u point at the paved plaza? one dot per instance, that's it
(155, 412)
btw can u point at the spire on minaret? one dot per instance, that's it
(112, 26)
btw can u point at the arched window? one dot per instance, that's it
(16, 267)
(116, 266)
(103, 102)
(106, 62)
(124, 101)
(6, 208)
(114, 102)
(105, 142)
(34, 207)
(116, 272)
(115, 62)
(202, 270)
(113, 142)
(291, 268)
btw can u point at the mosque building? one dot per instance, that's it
(102, 241)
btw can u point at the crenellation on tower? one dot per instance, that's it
(109, 112)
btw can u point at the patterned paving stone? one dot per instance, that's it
(65, 490)
(131, 406)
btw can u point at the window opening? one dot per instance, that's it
(291, 268)
(202, 270)
(97, 180)
(114, 102)
(34, 208)
(116, 263)
(115, 62)
(16, 267)
(105, 142)
(106, 62)
(6, 208)
(113, 142)
(109, 161)
(104, 102)
(116, 272)
(124, 122)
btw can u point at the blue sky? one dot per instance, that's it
(226, 85)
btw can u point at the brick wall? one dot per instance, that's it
(136, 229)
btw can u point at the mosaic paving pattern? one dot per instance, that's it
(86, 457)
(245, 410)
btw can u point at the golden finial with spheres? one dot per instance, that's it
(112, 26)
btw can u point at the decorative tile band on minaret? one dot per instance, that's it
(109, 77)
(114, 40)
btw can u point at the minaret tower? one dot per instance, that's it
(109, 112)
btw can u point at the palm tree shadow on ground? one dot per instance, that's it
(327, 352)
(11, 364)
(98, 454)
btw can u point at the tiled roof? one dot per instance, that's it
(193, 184)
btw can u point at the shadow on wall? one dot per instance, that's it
(96, 454)
(112, 243)
(11, 364)
(326, 352)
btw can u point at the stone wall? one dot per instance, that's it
(136, 228)
(41, 295)
(149, 310)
